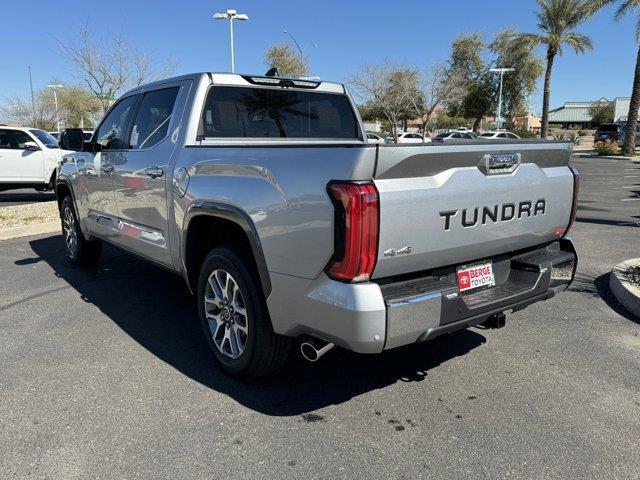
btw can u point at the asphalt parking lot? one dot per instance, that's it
(24, 196)
(105, 374)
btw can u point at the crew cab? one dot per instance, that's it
(28, 158)
(264, 195)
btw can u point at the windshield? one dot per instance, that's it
(487, 134)
(47, 139)
(608, 128)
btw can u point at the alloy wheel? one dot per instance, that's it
(69, 231)
(226, 313)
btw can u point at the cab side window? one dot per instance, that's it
(151, 124)
(4, 139)
(13, 139)
(112, 131)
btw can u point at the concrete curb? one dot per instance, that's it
(586, 154)
(28, 230)
(625, 292)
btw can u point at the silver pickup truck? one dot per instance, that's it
(264, 195)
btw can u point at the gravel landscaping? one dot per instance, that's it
(22, 215)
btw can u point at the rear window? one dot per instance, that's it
(608, 128)
(243, 112)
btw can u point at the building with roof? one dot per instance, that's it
(576, 114)
(531, 123)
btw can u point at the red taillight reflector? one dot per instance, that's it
(574, 204)
(356, 231)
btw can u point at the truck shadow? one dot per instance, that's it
(154, 308)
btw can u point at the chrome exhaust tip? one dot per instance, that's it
(314, 348)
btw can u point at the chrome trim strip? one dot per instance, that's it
(129, 229)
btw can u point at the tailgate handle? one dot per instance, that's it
(497, 163)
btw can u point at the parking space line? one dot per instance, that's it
(629, 199)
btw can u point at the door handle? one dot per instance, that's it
(154, 172)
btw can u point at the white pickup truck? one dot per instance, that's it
(28, 158)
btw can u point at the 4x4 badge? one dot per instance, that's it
(394, 252)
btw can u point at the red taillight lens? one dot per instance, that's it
(356, 231)
(574, 205)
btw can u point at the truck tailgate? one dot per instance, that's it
(451, 204)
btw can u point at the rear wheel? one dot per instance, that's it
(235, 318)
(79, 250)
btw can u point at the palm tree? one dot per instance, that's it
(557, 21)
(625, 7)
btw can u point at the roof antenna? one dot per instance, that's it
(272, 72)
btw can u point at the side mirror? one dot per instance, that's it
(31, 146)
(72, 139)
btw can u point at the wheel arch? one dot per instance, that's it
(63, 189)
(203, 231)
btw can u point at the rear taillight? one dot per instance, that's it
(574, 204)
(356, 231)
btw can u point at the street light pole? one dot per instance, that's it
(33, 102)
(55, 99)
(502, 71)
(231, 15)
(294, 41)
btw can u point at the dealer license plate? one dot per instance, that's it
(475, 276)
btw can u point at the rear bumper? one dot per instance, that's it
(421, 310)
(372, 317)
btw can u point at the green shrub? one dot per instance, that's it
(575, 138)
(606, 148)
(524, 133)
(558, 135)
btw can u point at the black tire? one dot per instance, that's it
(264, 351)
(82, 251)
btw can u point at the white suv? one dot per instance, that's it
(28, 158)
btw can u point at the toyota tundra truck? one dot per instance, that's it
(289, 227)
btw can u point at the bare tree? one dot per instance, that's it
(77, 107)
(390, 89)
(108, 67)
(288, 62)
(19, 111)
(438, 87)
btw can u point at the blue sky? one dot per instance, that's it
(348, 33)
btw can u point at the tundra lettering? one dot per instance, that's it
(289, 228)
(491, 213)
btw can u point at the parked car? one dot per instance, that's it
(498, 135)
(373, 138)
(28, 158)
(333, 241)
(607, 131)
(87, 134)
(623, 131)
(408, 137)
(445, 136)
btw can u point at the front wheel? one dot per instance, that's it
(79, 250)
(235, 318)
